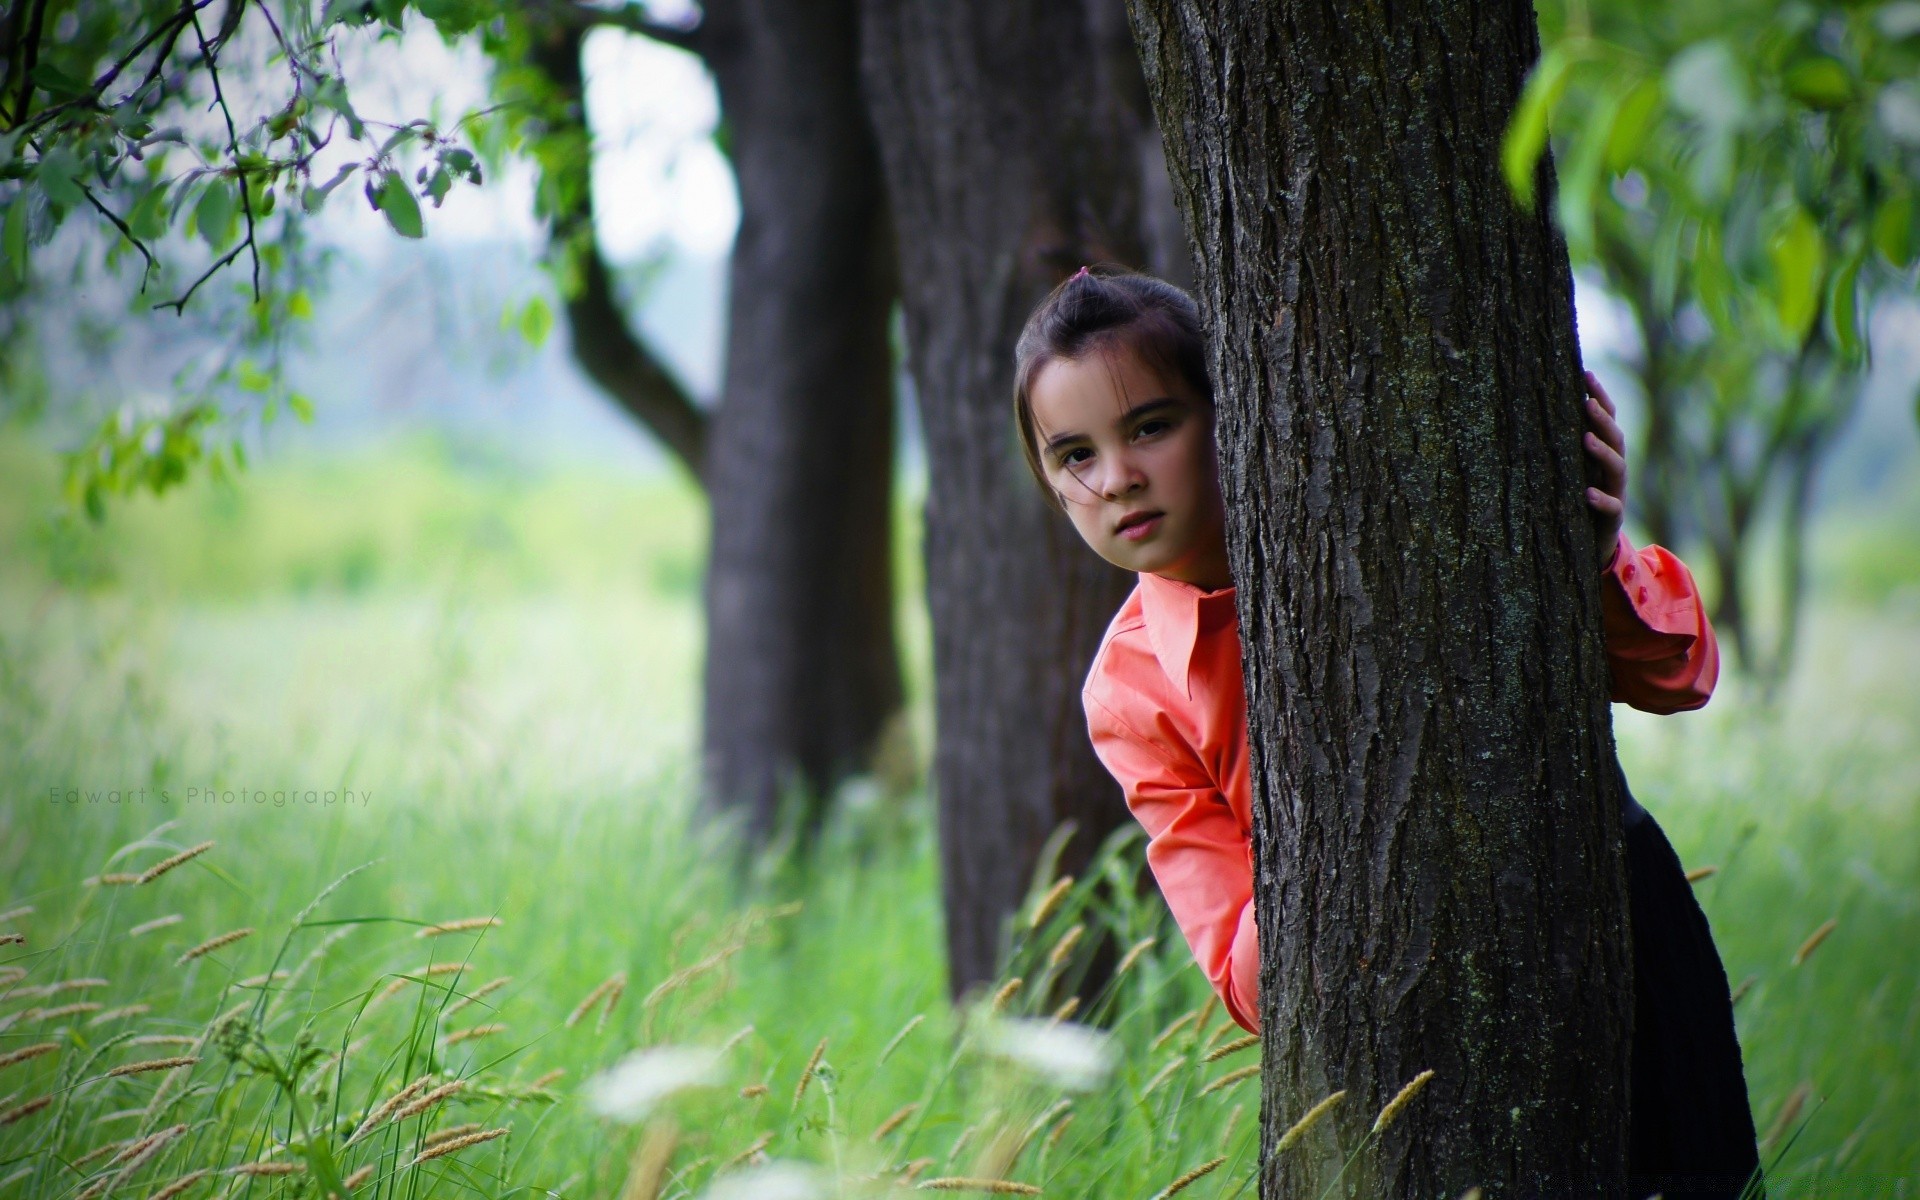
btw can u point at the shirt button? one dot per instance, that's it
(1628, 573)
(1642, 594)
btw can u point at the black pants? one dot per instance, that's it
(1691, 1132)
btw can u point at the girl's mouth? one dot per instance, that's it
(1142, 529)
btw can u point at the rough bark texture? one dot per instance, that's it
(802, 676)
(802, 673)
(1012, 157)
(1438, 866)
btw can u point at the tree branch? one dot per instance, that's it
(631, 17)
(613, 357)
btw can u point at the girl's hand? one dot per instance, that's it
(1608, 446)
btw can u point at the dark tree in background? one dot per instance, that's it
(1436, 820)
(1016, 146)
(802, 673)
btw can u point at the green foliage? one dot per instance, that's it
(168, 130)
(520, 704)
(1740, 175)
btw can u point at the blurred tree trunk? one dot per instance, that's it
(1013, 134)
(1437, 821)
(802, 677)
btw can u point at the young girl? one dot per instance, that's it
(1115, 413)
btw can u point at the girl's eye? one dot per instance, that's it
(1068, 459)
(1153, 426)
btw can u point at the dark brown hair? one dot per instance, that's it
(1099, 308)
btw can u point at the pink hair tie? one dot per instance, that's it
(1078, 274)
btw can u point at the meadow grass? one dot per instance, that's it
(505, 663)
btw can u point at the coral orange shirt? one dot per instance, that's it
(1167, 713)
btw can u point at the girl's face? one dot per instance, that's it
(1131, 455)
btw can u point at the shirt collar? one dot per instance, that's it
(1175, 614)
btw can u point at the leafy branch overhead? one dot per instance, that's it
(1742, 177)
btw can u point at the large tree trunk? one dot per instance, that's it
(802, 674)
(1013, 158)
(1437, 823)
(802, 671)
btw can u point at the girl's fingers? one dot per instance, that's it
(1612, 506)
(1612, 464)
(1608, 428)
(1599, 393)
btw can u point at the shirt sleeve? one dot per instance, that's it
(1200, 859)
(1660, 645)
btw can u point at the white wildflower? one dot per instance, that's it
(1073, 1056)
(776, 1180)
(632, 1087)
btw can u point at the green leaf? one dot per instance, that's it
(300, 306)
(1843, 308)
(252, 378)
(58, 174)
(213, 216)
(148, 220)
(1798, 255)
(395, 199)
(58, 84)
(1893, 228)
(300, 406)
(1633, 124)
(311, 197)
(536, 321)
(1820, 82)
(1712, 281)
(13, 234)
(1582, 179)
(1526, 136)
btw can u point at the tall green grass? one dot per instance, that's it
(506, 663)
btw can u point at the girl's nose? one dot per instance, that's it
(1123, 476)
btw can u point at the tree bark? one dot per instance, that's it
(1012, 158)
(802, 672)
(1439, 877)
(802, 678)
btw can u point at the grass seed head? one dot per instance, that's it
(1813, 940)
(1063, 948)
(806, 1073)
(152, 1064)
(1300, 1128)
(961, 1183)
(1401, 1099)
(1234, 1047)
(26, 1053)
(457, 1144)
(1005, 994)
(180, 1185)
(463, 925)
(894, 1122)
(756, 1146)
(1231, 1078)
(477, 1031)
(1181, 1184)
(427, 1101)
(212, 944)
(897, 1038)
(1133, 955)
(1050, 903)
(167, 864)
